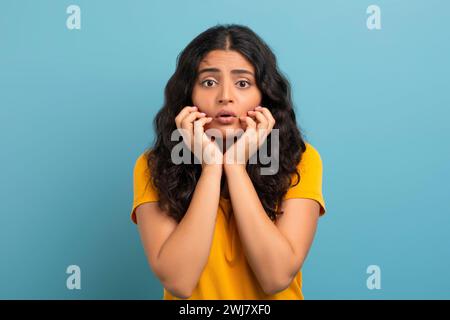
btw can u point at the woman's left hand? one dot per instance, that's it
(252, 139)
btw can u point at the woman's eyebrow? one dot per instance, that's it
(216, 70)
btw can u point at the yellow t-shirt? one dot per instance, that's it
(227, 275)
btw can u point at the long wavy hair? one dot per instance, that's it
(175, 183)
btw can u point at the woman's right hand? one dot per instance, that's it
(191, 121)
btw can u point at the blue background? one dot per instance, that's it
(76, 110)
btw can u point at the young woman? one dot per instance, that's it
(217, 229)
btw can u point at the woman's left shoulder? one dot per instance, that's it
(311, 156)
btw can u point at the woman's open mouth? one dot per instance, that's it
(225, 119)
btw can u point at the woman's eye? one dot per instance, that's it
(243, 83)
(208, 83)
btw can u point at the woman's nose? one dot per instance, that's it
(226, 100)
(225, 95)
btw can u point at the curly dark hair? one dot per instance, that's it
(175, 184)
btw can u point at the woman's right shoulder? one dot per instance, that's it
(141, 162)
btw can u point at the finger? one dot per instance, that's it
(199, 135)
(250, 122)
(263, 121)
(190, 118)
(183, 113)
(198, 126)
(243, 123)
(186, 125)
(268, 115)
(263, 126)
(264, 132)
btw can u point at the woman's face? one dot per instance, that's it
(225, 81)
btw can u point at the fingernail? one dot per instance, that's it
(202, 113)
(258, 107)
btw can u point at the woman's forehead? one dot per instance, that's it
(226, 60)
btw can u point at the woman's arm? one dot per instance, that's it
(277, 251)
(181, 258)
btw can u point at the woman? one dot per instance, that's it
(218, 229)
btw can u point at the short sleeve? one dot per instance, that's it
(310, 185)
(143, 188)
